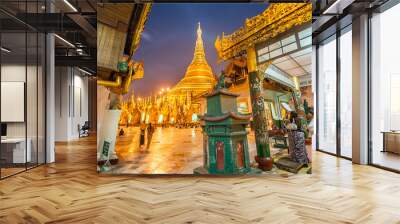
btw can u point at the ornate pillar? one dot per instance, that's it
(263, 157)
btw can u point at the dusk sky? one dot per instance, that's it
(169, 37)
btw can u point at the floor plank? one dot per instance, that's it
(71, 191)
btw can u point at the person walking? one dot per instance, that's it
(121, 132)
(142, 132)
(150, 131)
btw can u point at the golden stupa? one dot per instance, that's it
(199, 76)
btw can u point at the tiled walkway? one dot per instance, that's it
(172, 151)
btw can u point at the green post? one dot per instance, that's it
(263, 157)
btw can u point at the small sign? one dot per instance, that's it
(105, 156)
(106, 149)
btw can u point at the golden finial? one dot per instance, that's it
(199, 30)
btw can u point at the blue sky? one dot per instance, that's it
(169, 38)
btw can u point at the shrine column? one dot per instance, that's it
(263, 157)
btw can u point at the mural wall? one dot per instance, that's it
(204, 92)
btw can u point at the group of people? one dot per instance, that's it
(150, 131)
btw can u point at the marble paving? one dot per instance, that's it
(172, 151)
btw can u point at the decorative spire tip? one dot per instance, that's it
(199, 29)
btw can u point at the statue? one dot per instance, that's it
(124, 63)
(221, 81)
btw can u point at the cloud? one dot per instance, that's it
(146, 36)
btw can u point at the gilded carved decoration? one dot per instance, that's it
(263, 67)
(142, 20)
(276, 19)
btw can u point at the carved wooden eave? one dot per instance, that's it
(140, 27)
(278, 18)
(119, 30)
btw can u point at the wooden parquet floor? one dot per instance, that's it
(71, 191)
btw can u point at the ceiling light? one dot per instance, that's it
(84, 71)
(65, 41)
(70, 5)
(337, 7)
(5, 50)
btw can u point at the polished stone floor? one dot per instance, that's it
(172, 151)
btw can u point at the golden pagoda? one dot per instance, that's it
(199, 77)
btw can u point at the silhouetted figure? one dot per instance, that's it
(121, 132)
(142, 132)
(150, 131)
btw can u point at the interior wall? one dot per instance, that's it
(71, 102)
(80, 102)
(16, 73)
(33, 126)
(62, 98)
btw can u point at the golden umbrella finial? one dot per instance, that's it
(199, 30)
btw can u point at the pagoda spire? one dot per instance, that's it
(199, 76)
(198, 30)
(199, 55)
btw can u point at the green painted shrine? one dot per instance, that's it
(225, 144)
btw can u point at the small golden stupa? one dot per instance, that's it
(199, 77)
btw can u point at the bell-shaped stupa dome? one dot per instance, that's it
(199, 77)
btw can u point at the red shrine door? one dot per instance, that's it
(239, 155)
(220, 155)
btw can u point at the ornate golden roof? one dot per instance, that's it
(199, 76)
(276, 19)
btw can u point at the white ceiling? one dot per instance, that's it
(295, 64)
